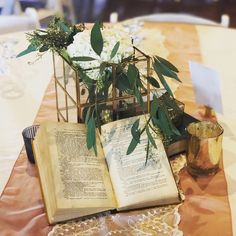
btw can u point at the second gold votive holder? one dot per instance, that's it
(204, 148)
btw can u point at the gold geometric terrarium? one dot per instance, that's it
(72, 96)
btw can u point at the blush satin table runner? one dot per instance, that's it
(206, 210)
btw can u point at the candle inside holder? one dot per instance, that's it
(28, 136)
(204, 149)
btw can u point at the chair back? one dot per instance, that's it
(183, 18)
(13, 23)
(10, 7)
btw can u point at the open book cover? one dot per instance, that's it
(75, 182)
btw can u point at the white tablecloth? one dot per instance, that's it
(218, 50)
(22, 87)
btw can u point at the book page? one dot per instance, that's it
(81, 179)
(136, 184)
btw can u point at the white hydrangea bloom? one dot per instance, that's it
(81, 46)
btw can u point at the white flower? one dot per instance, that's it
(81, 46)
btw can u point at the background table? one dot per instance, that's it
(210, 206)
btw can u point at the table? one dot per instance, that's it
(209, 208)
(22, 85)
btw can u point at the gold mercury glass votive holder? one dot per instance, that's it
(204, 148)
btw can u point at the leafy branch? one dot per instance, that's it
(56, 37)
(128, 80)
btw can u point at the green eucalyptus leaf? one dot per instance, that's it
(154, 106)
(138, 96)
(107, 83)
(115, 49)
(86, 79)
(150, 138)
(132, 146)
(171, 130)
(64, 54)
(83, 59)
(164, 123)
(96, 38)
(161, 68)
(91, 133)
(139, 83)
(123, 84)
(29, 49)
(102, 68)
(119, 68)
(87, 117)
(163, 81)
(156, 122)
(132, 74)
(174, 130)
(167, 64)
(147, 152)
(84, 112)
(92, 94)
(153, 82)
(135, 130)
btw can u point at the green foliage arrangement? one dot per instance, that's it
(128, 79)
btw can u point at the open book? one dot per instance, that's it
(75, 182)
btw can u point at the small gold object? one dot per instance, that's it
(204, 149)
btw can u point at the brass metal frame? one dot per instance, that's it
(79, 102)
